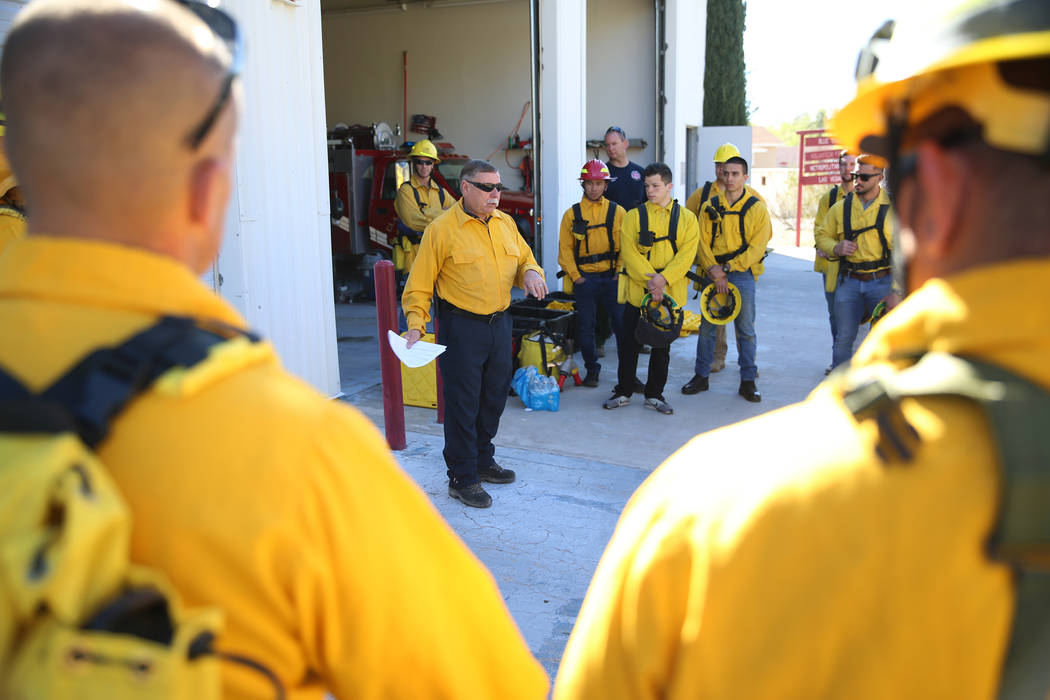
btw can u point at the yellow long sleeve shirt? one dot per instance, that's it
(722, 235)
(408, 209)
(697, 200)
(638, 262)
(820, 264)
(869, 247)
(470, 263)
(813, 569)
(596, 241)
(256, 495)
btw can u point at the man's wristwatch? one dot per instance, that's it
(725, 268)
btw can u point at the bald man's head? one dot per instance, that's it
(101, 97)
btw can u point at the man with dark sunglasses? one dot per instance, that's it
(470, 258)
(253, 495)
(858, 233)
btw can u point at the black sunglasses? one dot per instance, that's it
(488, 186)
(617, 130)
(422, 161)
(864, 177)
(225, 28)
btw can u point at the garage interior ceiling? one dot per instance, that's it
(340, 7)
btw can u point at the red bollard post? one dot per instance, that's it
(440, 384)
(390, 366)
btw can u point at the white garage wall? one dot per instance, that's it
(621, 72)
(275, 265)
(468, 66)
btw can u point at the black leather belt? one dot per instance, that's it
(607, 273)
(867, 276)
(484, 318)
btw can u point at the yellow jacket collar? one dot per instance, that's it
(973, 313)
(414, 181)
(105, 274)
(463, 217)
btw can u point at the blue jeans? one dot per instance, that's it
(596, 290)
(743, 325)
(829, 298)
(854, 300)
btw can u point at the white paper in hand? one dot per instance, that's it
(416, 356)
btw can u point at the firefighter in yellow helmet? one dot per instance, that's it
(876, 540)
(420, 200)
(589, 254)
(12, 207)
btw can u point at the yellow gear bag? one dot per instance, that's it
(78, 620)
(541, 352)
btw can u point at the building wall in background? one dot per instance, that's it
(469, 66)
(621, 73)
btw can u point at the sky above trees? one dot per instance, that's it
(800, 55)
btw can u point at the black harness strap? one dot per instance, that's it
(416, 236)
(580, 224)
(716, 204)
(850, 234)
(706, 192)
(649, 239)
(89, 396)
(833, 196)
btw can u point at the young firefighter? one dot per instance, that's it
(734, 231)
(588, 252)
(657, 248)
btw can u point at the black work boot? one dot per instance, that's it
(749, 391)
(471, 494)
(495, 474)
(696, 385)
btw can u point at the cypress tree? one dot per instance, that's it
(725, 87)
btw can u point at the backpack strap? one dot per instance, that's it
(1018, 412)
(706, 192)
(441, 196)
(89, 396)
(833, 196)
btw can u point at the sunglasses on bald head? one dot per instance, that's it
(225, 28)
(864, 177)
(488, 186)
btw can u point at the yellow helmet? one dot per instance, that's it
(720, 309)
(424, 149)
(725, 152)
(982, 57)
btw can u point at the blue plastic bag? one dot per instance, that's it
(537, 392)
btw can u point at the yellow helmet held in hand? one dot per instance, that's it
(720, 309)
(424, 149)
(976, 71)
(725, 152)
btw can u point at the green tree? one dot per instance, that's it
(788, 131)
(725, 85)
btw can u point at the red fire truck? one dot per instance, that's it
(365, 170)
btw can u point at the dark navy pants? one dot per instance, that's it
(597, 290)
(476, 369)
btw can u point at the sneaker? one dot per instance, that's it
(616, 400)
(471, 494)
(639, 386)
(749, 391)
(495, 474)
(696, 385)
(591, 379)
(660, 405)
